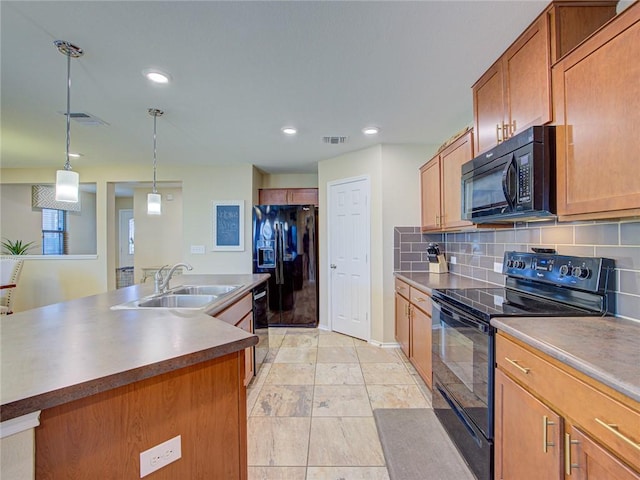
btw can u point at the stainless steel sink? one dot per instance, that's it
(217, 290)
(178, 301)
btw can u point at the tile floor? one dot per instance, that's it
(311, 406)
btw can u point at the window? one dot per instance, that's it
(54, 232)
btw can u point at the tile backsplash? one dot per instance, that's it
(476, 252)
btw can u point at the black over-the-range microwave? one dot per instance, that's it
(514, 181)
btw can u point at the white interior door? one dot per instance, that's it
(125, 240)
(349, 257)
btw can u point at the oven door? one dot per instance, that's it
(463, 362)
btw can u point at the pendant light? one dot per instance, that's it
(68, 181)
(154, 199)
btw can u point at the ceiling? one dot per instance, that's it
(240, 72)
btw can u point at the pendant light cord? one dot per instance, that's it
(67, 164)
(155, 119)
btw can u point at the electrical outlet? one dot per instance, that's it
(497, 267)
(197, 249)
(453, 260)
(160, 456)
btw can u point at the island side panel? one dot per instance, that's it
(104, 434)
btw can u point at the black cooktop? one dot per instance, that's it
(486, 303)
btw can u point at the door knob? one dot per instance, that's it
(333, 265)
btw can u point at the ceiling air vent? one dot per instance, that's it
(334, 140)
(86, 119)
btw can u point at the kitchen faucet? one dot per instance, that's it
(162, 284)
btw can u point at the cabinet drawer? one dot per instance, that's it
(420, 300)
(237, 311)
(614, 425)
(402, 288)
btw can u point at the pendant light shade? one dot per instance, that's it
(67, 184)
(154, 199)
(67, 181)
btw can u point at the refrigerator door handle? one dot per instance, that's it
(281, 256)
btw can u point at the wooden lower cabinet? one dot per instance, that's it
(102, 436)
(413, 328)
(589, 461)
(527, 434)
(588, 430)
(421, 344)
(246, 324)
(402, 324)
(240, 314)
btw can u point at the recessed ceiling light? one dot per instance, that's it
(289, 130)
(370, 130)
(156, 76)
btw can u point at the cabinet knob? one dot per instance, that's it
(333, 265)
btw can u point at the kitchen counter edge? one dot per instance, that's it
(603, 348)
(234, 339)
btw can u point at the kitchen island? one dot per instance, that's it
(117, 382)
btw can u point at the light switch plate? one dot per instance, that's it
(497, 267)
(197, 249)
(453, 260)
(160, 456)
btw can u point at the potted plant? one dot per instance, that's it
(17, 247)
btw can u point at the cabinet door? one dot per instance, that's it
(489, 108)
(303, 196)
(527, 434)
(589, 461)
(273, 196)
(430, 194)
(246, 324)
(421, 343)
(528, 78)
(597, 106)
(452, 158)
(402, 323)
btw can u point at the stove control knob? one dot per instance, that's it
(580, 272)
(564, 270)
(510, 263)
(520, 264)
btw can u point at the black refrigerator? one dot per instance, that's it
(285, 245)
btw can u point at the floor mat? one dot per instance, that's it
(416, 447)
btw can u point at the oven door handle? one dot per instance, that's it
(460, 317)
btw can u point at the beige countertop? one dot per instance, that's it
(428, 281)
(606, 349)
(58, 353)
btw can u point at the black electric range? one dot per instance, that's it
(463, 353)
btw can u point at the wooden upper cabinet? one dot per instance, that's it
(440, 186)
(430, 194)
(452, 158)
(515, 92)
(288, 196)
(596, 97)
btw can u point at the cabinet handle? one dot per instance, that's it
(567, 453)
(438, 220)
(545, 443)
(512, 128)
(613, 428)
(498, 130)
(515, 364)
(418, 299)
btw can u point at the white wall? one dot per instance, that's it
(46, 281)
(393, 171)
(289, 180)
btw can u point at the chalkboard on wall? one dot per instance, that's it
(228, 225)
